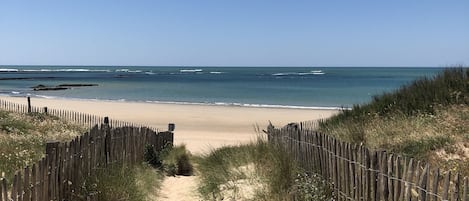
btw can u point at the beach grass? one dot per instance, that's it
(426, 119)
(254, 171)
(120, 182)
(23, 138)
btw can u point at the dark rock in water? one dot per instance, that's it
(16, 78)
(50, 88)
(39, 86)
(77, 85)
(121, 76)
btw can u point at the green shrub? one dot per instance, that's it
(420, 148)
(118, 182)
(312, 187)
(10, 124)
(176, 161)
(183, 165)
(172, 160)
(151, 157)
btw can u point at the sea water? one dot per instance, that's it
(290, 87)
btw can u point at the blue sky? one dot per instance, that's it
(235, 33)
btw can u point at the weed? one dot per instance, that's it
(267, 169)
(176, 161)
(118, 182)
(312, 187)
(152, 157)
(23, 138)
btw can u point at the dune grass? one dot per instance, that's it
(255, 171)
(120, 182)
(427, 119)
(23, 138)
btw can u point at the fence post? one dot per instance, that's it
(171, 127)
(45, 110)
(3, 185)
(29, 104)
(106, 121)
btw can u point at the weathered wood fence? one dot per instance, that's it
(60, 174)
(83, 119)
(358, 173)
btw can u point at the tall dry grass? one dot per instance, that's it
(427, 119)
(256, 171)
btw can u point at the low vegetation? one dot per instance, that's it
(427, 119)
(120, 182)
(23, 138)
(256, 171)
(22, 143)
(171, 160)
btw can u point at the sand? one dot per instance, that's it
(200, 127)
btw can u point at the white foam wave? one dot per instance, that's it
(8, 70)
(190, 70)
(283, 74)
(65, 70)
(299, 73)
(216, 72)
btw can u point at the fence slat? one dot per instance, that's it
(3, 186)
(456, 187)
(423, 184)
(446, 185)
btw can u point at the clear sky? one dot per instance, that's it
(235, 33)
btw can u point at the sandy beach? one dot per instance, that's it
(200, 127)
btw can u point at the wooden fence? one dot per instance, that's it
(358, 173)
(61, 173)
(87, 120)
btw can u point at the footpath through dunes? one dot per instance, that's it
(200, 127)
(181, 188)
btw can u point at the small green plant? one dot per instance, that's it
(172, 160)
(118, 182)
(177, 161)
(11, 124)
(419, 149)
(152, 157)
(183, 165)
(312, 187)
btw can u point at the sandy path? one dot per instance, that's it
(179, 188)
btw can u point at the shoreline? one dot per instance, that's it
(200, 127)
(247, 105)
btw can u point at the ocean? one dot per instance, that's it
(279, 87)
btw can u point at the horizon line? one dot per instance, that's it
(230, 66)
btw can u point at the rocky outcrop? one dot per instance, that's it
(41, 87)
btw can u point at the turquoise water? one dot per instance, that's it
(244, 86)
